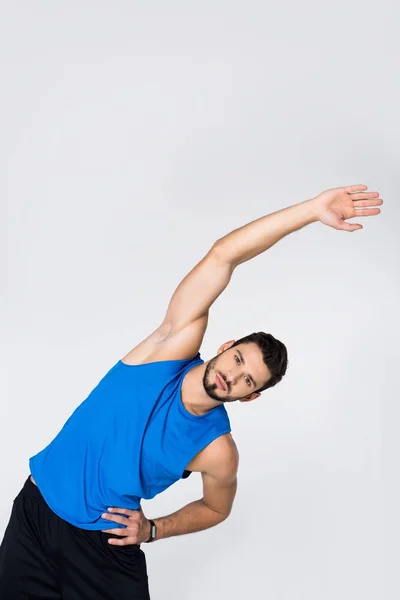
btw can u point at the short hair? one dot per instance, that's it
(274, 354)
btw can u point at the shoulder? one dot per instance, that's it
(165, 344)
(221, 457)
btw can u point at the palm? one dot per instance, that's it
(337, 205)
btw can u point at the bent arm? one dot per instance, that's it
(219, 462)
(193, 517)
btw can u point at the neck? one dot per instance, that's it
(194, 396)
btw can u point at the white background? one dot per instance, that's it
(133, 135)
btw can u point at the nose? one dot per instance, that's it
(231, 379)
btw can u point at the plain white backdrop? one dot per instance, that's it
(133, 135)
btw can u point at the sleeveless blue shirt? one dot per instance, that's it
(130, 439)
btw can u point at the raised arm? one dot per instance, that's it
(181, 333)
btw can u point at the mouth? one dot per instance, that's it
(221, 383)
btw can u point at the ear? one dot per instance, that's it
(225, 346)
(250, 397)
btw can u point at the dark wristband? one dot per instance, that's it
(153, 532)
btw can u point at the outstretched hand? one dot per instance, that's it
(335, 206)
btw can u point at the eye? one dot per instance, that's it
(248, 381)
(237, 359)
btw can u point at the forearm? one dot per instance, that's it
(254, 238)
(193, 517)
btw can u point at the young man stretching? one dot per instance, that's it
(158, 414)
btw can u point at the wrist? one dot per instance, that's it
(158, 529)
(312, 210)
(151, 531)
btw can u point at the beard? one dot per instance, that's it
(212, 388)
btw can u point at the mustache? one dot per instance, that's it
(227, 383)
(212, 367)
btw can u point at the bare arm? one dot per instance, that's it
(186, 319)
(220, 463)
(209, 278)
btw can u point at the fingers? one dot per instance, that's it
(355, 188)
(350, 226)
(124, 542)
(124, 511)
(365, 196)
(365, 203)
(131, 522)
(368, 212)
(115, 518)
(121, 531)
(128, 535)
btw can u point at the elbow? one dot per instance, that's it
(219, 249)
(221, 254)
(219, 516)
(224, 516)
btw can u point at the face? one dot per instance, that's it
(236, 373)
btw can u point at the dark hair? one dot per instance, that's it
(274, 354)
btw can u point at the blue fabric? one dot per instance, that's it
(130, 439)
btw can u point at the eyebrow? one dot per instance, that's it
(244, 362)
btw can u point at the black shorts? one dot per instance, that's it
(44, 557)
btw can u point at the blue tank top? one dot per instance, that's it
(130, 439)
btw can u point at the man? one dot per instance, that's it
(159, 413)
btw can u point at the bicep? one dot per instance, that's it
(197, 292)
(181, 333)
